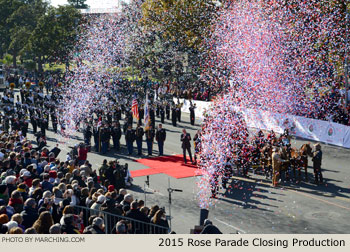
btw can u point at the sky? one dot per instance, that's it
(92, 3)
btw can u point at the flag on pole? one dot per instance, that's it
(147, 121)
(135, 108)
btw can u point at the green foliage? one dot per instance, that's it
(7, 59)
(79, 4)
(54, 35)
(33, 29)
(183, 21)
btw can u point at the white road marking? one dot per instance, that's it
(236, 228)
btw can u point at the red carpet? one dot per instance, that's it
(170, 165)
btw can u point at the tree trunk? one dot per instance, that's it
(14, 63)
(40, 65)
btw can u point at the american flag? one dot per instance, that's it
(147, 120)
(135, 108)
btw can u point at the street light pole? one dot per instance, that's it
(346, 66)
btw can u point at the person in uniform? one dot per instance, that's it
(43, 125)
(87, 135)
(173, 115)
(139, 137)
(162, 113)
(96, 134)
(160, 137)
(178, 112)
(186, 145)
(141, 114)
(54, 122)
(152, 117)
(317, 162)
(149, 139)
(116, 135)
(104, 138)
(167, 110)
(192, 113)
(129, 139)
(197, 144)
(158, 109)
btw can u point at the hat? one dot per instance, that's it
(53, 174)
(47, 194)
(110, 188)
(47, 168)
(22, 171)
(11, 224)
(10, 179)
(98, 221)
(101, 199)
(27, 174)
(43, 163)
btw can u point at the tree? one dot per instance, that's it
(183, 26)
(55, 34)
(21, 23)
(79, 4)
(186, 22)
(7, 8)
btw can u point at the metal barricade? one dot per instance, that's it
(110, 221)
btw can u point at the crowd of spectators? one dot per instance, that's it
(43, 195)
(332, 106)
(39, 193)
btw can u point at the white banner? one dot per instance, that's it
(312, 129)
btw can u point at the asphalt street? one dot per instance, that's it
(249, 205)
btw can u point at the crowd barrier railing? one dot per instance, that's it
(110, 221)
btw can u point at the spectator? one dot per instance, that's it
(43, 223)
(121, 228)
(10, 225)
(160, 220)
(30, 231)
(16, 201)
(134, 213)
(30, 214)
(55, 229)
(19, 219)
(97, 226)
(68, 225)
(97, 205)
(16, 230)
(209, 228)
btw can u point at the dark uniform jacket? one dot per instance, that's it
(161, 135)
(186, 140)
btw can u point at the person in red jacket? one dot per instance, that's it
(82, 154)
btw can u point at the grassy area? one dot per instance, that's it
(54, 67)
